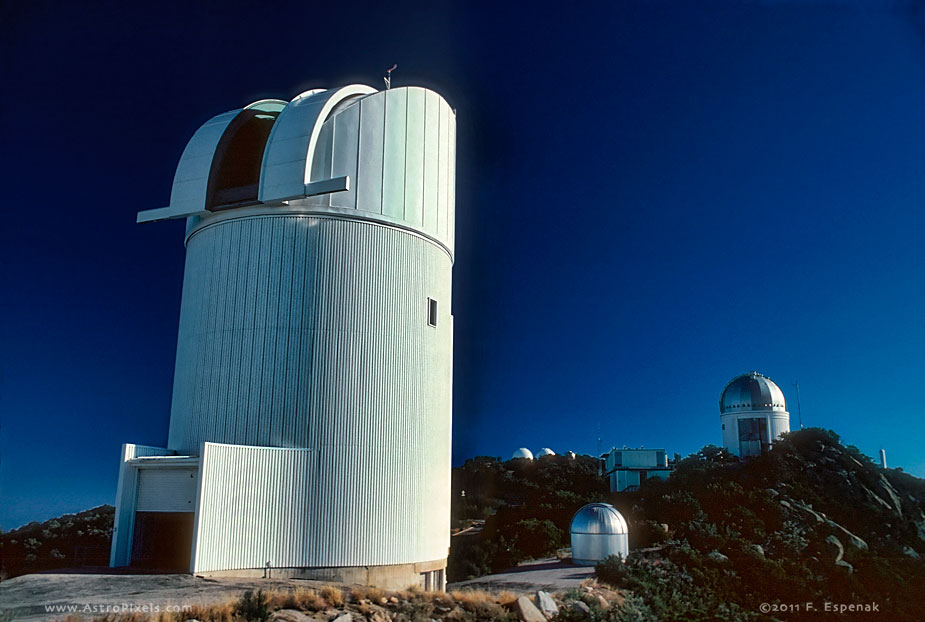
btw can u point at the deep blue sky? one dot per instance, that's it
(652, 198)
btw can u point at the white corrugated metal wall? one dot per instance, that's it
(311, 332)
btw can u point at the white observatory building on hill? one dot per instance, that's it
(753, 414)
(311, 414)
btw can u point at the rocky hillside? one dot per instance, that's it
(526, 507)
(69, 541)
(811, 522)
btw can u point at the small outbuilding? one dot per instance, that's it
(598, 531)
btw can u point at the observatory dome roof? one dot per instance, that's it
(523, 452)
(545, 451)
(751, 392)
(598, 518)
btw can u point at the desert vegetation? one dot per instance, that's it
(810, 521)
(81, 539)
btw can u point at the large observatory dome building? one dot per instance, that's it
(311, 414)
(753, 414)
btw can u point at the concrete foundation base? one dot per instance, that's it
(427, 575)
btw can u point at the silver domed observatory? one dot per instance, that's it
(753, 414)
(598, 531)
(310, 421)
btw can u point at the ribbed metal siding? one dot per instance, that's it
(311, 332)
(588, 549)
(300, 508)
(398, 148)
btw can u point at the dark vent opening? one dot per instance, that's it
(431, 311)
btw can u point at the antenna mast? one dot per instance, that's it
(598, 438)
(799, 409)
(388, 76)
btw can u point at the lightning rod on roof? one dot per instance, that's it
(388, 76)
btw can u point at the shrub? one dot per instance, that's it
(333, 595)
(611, 570)
(362, 592)
(253, 607)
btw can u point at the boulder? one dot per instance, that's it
(344, 617)
(378, 615)
(579, 607)
(835, 547)
(855, 541)
(527, 611)
(602, 602)
(288, 615)
(546, 604)
(717, 557)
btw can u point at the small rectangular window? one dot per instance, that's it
(431, 311)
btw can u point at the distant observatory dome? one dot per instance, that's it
(753, 414)
(545, 451)
(598, 531)
(523, 452)
(571, 455)
(751, 392)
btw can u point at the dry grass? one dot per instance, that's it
(484, 604)
(302, 598)
(205, 613)
(482, 601)
(128, 617)
(333, 595)
(362, 592)
(473, 597)
(506, 598)
(212, 613)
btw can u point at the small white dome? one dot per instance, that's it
(545, 451)
(598, 518)
(598, 531)
(523, 452)
(571, 455)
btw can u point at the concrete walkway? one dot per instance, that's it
(51, 596)
(541, 574)
(56, 596)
